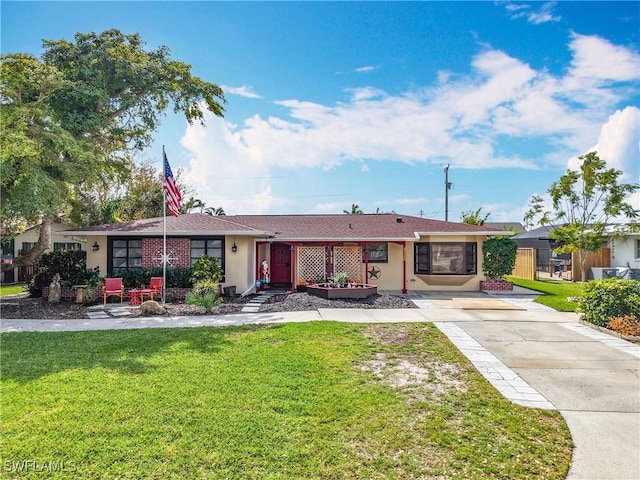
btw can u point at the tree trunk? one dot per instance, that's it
(582, 260)
(44, 240)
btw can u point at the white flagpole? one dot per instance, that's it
(164, 232)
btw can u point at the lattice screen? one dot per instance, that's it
(311, 264)
(348, 259)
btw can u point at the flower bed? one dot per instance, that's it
(329, 292)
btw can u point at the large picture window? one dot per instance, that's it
(378, 253)
(126, 253)
(446, 258)
(212, 247)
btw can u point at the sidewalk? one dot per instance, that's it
(532, 354)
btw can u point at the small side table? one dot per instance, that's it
(146, 291)
(134, 296)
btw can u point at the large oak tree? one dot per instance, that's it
(71, 119)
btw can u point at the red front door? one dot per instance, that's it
(280, 263)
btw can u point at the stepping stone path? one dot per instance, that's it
(101, 312)
(253, 305)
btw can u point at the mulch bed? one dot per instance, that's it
(25, 307)
(22, 306)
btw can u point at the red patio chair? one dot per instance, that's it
(113, 288)
(155, 284)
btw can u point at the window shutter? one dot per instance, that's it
(422, 258)
(471, 260)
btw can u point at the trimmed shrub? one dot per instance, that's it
(605, 299)
(206, 268)
(138, 276)
(498, 257)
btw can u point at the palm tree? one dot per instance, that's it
(214, 211)
(190, 204)
(355, 210)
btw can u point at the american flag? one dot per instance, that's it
(174, 197)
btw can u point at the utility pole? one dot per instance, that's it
(447, 187)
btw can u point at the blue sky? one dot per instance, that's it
(336, 103)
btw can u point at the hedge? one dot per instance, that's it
(605, 299)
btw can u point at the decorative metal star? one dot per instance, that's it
(161, 259)
(374, 273)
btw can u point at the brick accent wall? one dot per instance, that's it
(496, 285)
(178, 248)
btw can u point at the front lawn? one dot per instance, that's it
(555, 292)
(298, 401)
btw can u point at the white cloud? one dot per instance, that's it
(459, 119)
(619, 144)
(543, 15)
(366, 69)
(242, 91)
(225, 171)
(599, 60)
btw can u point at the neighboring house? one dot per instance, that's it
(515, 227)
(625, 255)
(22, 243)
(395, 252)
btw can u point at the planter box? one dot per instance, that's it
(301, 288)
(331, 293)
(496, 285)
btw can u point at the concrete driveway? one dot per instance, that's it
(595, 385)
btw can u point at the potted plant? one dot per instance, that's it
(301, 286)
(341, 279)
(498, 260)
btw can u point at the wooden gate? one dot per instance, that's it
(525, 266)
(601, 258)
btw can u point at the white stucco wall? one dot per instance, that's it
(623, 251)
(32, 235)
(239, 264)
(99, 258)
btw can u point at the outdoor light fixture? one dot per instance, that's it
(95, 247)
(234, 248)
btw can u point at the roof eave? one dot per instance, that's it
(342, 239)
(489, 232)
(137, 233)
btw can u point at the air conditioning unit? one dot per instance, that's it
(598, 273)
(634, 274)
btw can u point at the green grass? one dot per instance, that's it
(555, 292)
(296, 401)
(11, 289)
